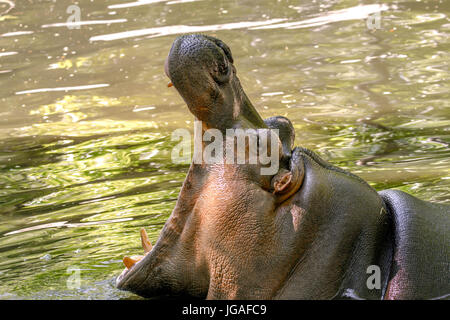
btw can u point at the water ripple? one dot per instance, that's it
(66, 224)
(145, 2)
(82, 23)
(91, 86)
(181, 29)
(354, 13)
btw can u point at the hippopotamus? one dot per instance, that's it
(311, 230)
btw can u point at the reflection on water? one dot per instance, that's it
(180, 29)
(86, 116)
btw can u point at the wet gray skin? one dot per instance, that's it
(308, 232)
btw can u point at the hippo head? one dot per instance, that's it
(201, 69)
(237, 233)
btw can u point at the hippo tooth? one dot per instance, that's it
(146, 244)
(130, 261)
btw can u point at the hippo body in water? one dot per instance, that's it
(308, 231)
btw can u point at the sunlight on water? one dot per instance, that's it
(180, 29)
(86, 116)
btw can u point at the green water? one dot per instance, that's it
(86, 116)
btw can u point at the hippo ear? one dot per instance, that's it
(286, 182)
(282, 182)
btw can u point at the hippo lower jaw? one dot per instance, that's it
(167, 269)
(138, 268)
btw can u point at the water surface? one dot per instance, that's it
(86, 115)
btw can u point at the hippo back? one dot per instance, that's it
(420, 266)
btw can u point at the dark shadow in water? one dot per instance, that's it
(378, 101)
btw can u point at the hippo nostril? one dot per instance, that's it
(226, 50)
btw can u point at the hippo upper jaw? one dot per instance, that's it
(201, 69)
